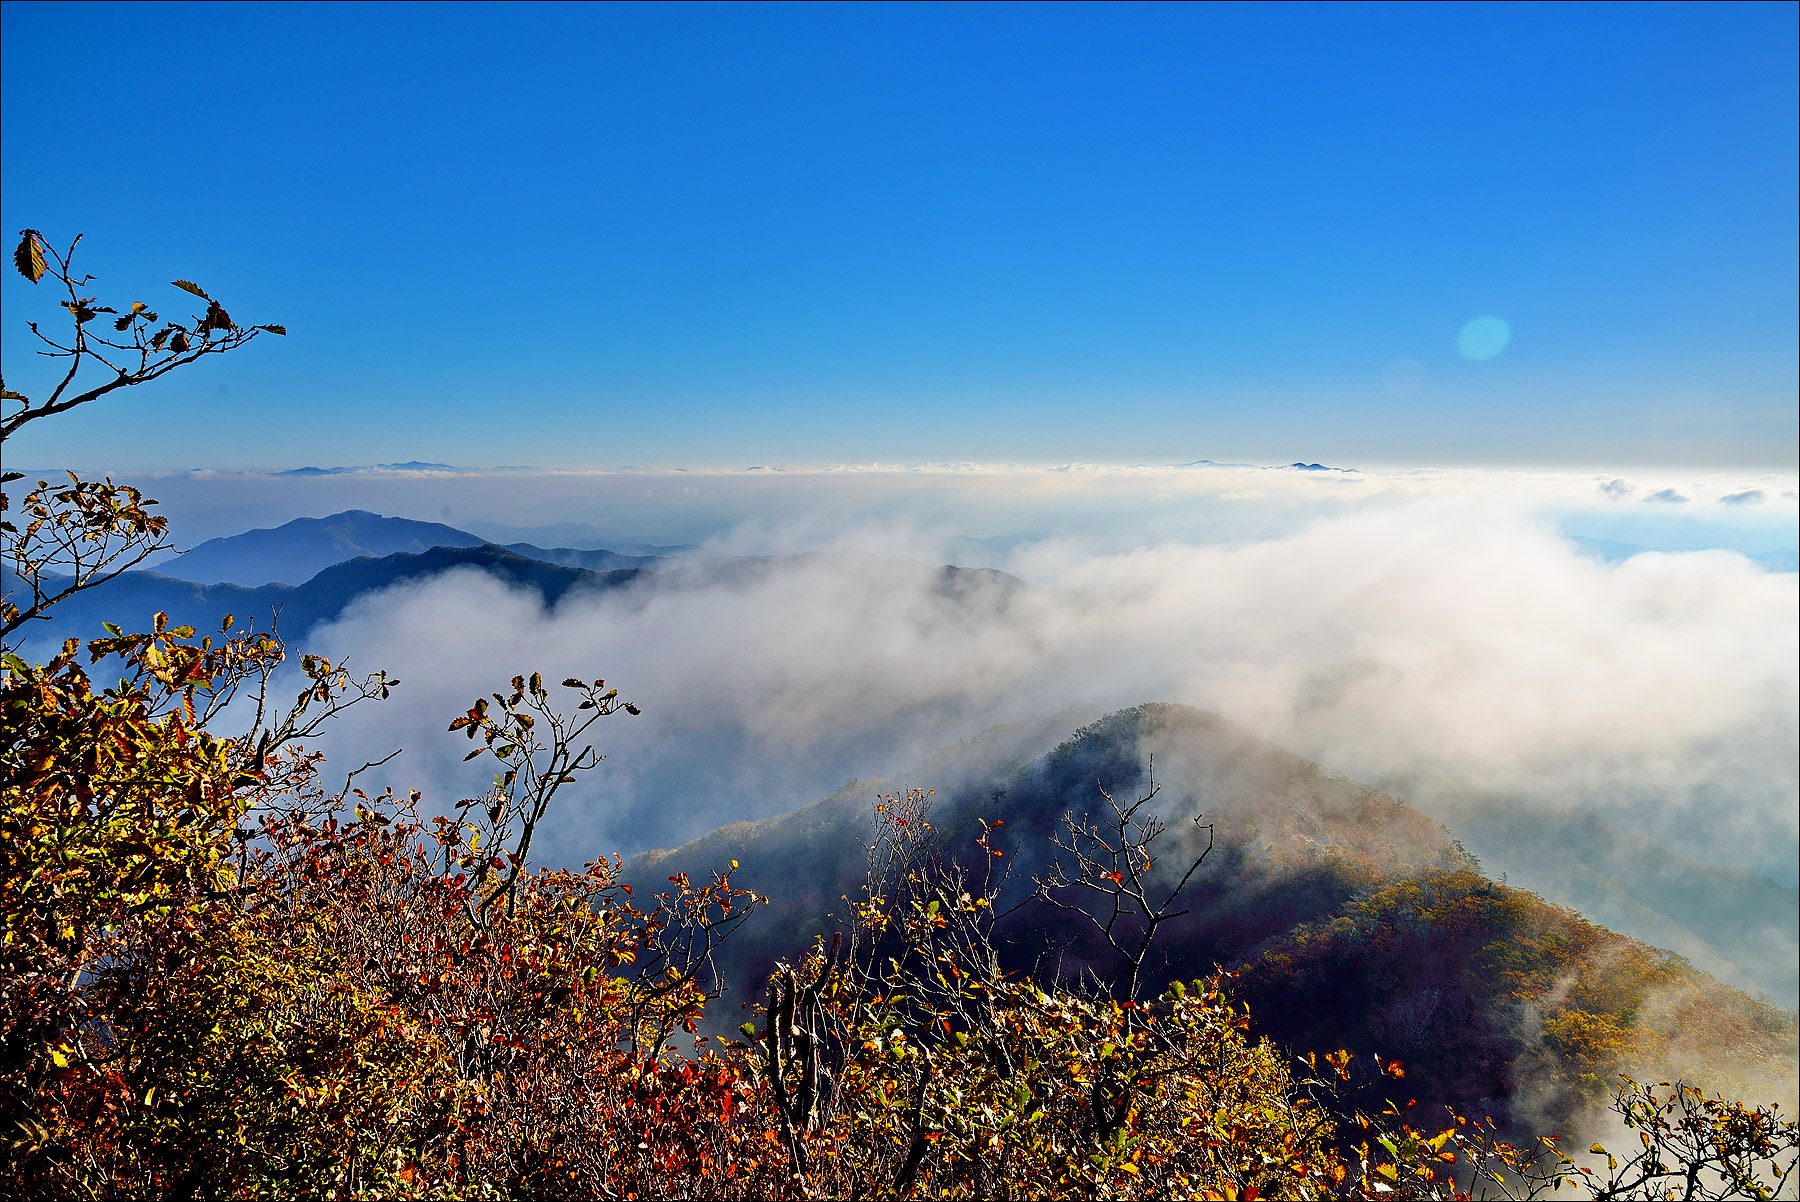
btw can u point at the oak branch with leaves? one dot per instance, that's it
(74, 536)
(140, 347)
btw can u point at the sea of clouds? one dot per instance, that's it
(1430, 632)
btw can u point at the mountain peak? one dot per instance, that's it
(298, 550)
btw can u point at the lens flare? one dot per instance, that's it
(1483, 338)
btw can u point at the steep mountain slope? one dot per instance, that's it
(1503, 1003)
(295, 552)
(1292, 840)
(1352, 919)
(1736, 925)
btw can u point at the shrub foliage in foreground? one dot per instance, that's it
(221, 977)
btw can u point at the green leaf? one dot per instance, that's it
(273, 329)
(190, 286)
(29, 257)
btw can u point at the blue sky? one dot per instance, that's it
(589, 236)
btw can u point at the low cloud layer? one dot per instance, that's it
(1438, 641)
(1119, 505)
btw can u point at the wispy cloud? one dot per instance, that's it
(1434, 640)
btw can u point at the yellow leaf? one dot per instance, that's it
(29, 257)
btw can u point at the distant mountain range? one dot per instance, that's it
(411, 465)
(577, 535)
(593, 561)
(297, 551)
(134, 596)
(551, 573)
(301, 549)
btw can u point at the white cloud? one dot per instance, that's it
(1439, 636)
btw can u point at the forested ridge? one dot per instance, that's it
(1343, 916)
(1162, 959)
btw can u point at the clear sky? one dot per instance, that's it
(590, 236)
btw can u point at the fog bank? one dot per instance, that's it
(1434, 641)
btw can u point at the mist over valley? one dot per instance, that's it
(1444, 640)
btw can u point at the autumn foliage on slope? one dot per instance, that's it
(1346, 919)
(224, 974)
(361, 1002)
(1484, 989)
